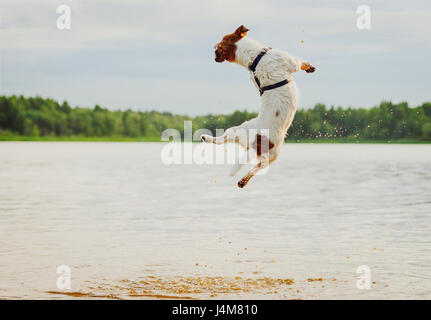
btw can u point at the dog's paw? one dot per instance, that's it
(310, 70)
(206, 138)
(307, 67)
(242, 183)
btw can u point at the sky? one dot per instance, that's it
(159, 55)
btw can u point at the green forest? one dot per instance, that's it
(37, 118)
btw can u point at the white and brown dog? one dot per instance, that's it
(272, 72)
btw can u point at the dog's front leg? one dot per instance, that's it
(307, 67)
(294, 64)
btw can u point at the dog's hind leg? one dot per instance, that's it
(228, 136)
(238, 134)
(261, 165)
(217, 140)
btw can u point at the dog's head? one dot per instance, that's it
(226, 48)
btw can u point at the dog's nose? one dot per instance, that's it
(218, 58)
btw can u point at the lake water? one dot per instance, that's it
(129, 226)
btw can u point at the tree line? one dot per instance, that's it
(37, 116)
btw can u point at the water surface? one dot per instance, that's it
(129, 226)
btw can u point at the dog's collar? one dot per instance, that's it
(252, 68)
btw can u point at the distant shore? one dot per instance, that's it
(157, 139)
(44, 119)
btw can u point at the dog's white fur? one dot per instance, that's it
(278, 105)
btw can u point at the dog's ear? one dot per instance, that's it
(241, 31)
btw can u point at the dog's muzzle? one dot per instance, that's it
(218, 56)
(218, 53)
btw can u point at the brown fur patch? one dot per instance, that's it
(226, 49)
(262, 144)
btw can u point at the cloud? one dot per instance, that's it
(160, 53)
